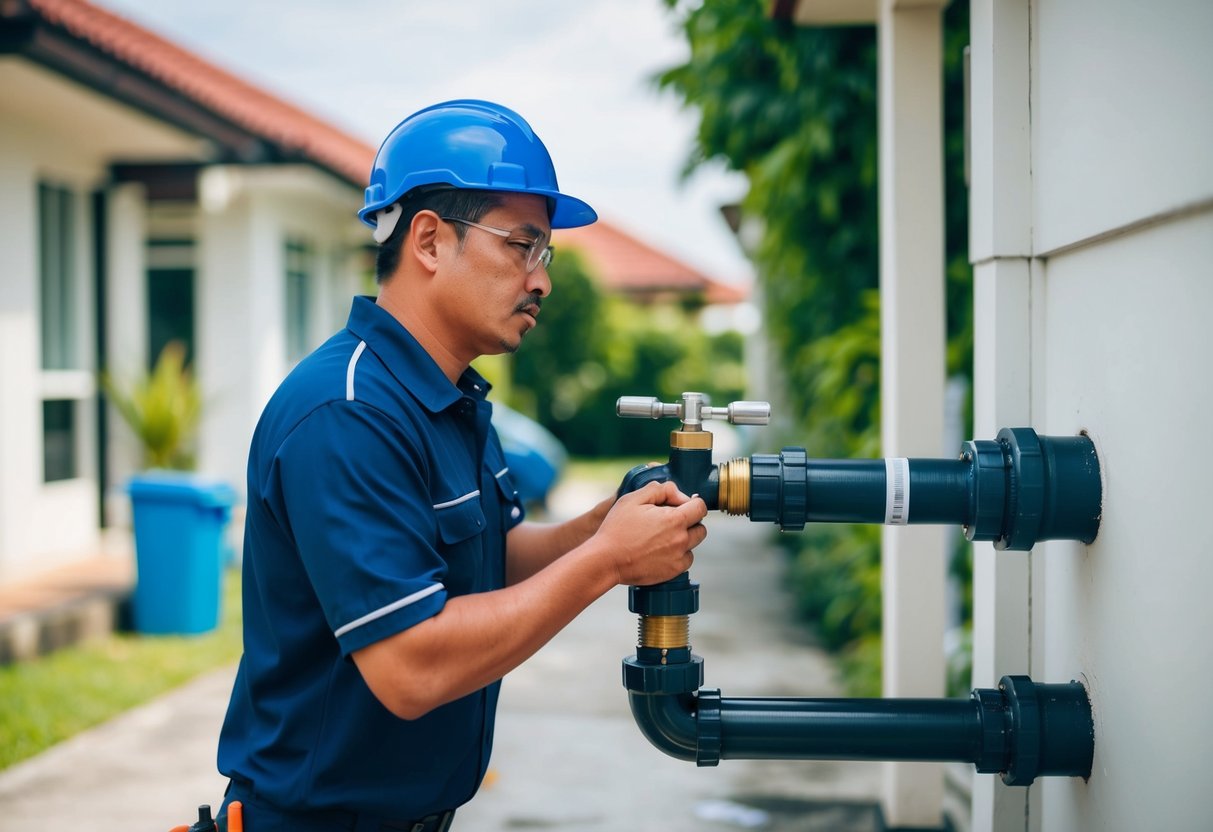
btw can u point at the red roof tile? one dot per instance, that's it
(292, 129)
(625, 264)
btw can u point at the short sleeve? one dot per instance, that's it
(353, 492)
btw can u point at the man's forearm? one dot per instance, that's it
(477, 639)
(530, 547)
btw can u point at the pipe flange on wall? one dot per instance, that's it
(1028, 488)
(1053, 731)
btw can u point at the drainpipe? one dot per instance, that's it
(1017, 489)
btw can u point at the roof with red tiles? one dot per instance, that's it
(294, 131)
(626, 264)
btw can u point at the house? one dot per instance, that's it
(149, 196)
(1091, 234)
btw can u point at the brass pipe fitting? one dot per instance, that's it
(734, 490)
(665, 632)
(691, 440)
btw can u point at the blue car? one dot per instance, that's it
(534, 455)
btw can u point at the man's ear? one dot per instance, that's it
(422, 241)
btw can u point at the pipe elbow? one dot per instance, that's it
(668, 721)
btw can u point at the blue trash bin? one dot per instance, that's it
(179, 521)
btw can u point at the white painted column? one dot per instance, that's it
(241, 343)
(20, 417)
(1000, 245)
(125, 331)
(912, 370)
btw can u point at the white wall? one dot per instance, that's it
(1092, 239)
(245, 217)
(1127, 328)
(239, 327)
(42, 524)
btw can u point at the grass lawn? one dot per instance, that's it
(47, 700)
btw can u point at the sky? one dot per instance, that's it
(580, 71)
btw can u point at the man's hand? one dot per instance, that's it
(646, 537)
(650, 533)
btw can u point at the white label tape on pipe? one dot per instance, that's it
(897, 492)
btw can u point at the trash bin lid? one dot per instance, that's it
(181, 487)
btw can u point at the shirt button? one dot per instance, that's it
(516, 512)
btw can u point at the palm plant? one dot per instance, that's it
(163, 409)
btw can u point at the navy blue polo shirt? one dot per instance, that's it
(376, 491)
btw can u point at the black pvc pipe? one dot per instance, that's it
(1022, 730)
(787, 728)
(1017, 490)
(855, 491)
(850, 729)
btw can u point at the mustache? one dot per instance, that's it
(532, 299)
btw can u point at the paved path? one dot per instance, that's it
(568, 755)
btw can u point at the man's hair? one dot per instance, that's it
(448, 202)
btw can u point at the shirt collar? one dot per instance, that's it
(407, 360)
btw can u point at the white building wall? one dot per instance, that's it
(1127, 361)
(245, 218)
(1093, 315)
(42, 524)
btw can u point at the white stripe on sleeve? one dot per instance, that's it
(390, 608)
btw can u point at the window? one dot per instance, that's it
(299, 267)
(59, 440)
(170, 296)
(65, 382)
(57, 273)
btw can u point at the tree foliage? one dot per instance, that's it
(795, 109)
(589, 349)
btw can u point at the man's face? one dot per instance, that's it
(488, 298)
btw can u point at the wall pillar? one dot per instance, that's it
(1000, 245)
(912, 370)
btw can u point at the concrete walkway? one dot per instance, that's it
(567, 755)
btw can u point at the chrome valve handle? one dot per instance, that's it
(693, 411)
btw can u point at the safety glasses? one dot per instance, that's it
(536, 250)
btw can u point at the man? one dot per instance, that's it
(389, 582)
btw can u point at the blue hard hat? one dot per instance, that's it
(468, 144)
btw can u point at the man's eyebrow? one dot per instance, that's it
(535, 230)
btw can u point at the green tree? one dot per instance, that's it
(548, 370)
(794, 109)
(589, 349)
